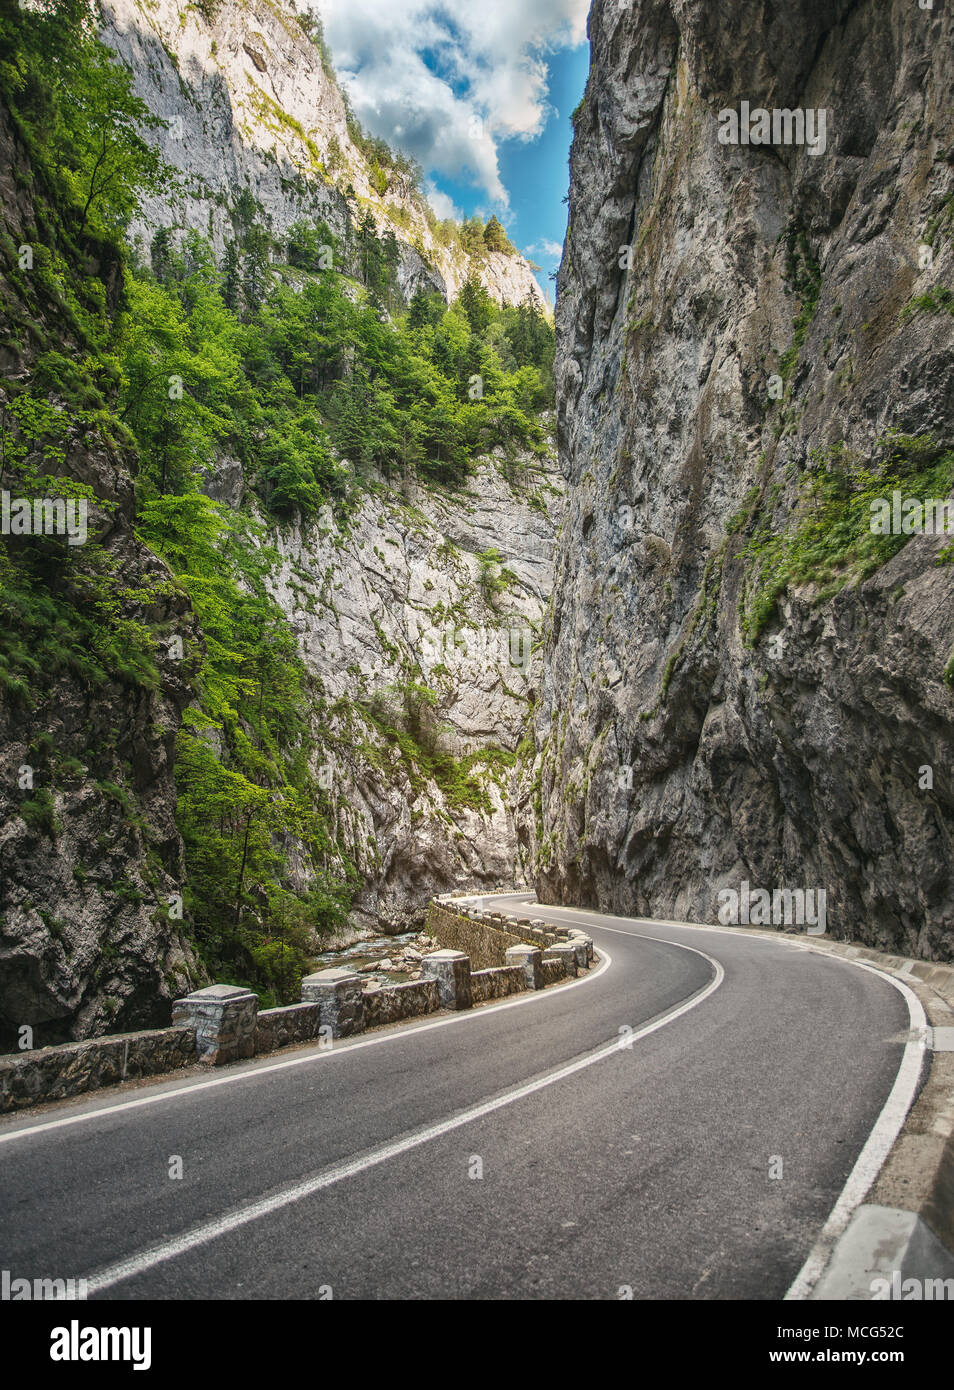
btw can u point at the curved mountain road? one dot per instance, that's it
(517, 1151)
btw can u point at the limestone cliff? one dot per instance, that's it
(741, 684)
(250, 102)
(404, 595)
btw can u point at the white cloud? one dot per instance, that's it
(545, 247)
(490, 84)
(441, 203)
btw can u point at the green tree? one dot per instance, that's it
(477, 305)
(76, 102)
(231, 276)
(160, 253)
(496, 239)
(108, 163)
(255, 261)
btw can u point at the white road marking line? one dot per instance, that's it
(879, 1144)
(886, 1128)
(189, 1088)
(114, 1274)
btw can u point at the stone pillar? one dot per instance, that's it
(451, 970)
(224, 1018)
(341, 998)
(565, 952)
(579, 945)
(579, 938)
(528, 958)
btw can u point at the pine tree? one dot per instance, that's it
(160, 251)
(477, 305)
(496, 239)
(369, 250)
(231, 276)
(419, 310)
(255, 269)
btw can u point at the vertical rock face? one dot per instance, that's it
(399, 598)
(400, 592)
(729, 696)
(89, 851)
(251, 103)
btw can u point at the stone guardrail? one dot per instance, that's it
(222, 1023)
(53, 1073)
(485, 935)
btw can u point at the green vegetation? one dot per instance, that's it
(471, 237)
(284, 374)
(828, 539)
(940, 300)
(38, 812)
(65, 609)
(74, 102)
(496, 239)
(803, 279)
(242, 759)
(242, 755)
(297, 358)
(495, 578)
(405, 716)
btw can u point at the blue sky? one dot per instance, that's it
(480, 94)
(535, 172)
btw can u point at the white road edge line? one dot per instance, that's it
(879, 1143)
(316, 1054)
(887, 1127)
(106, 1278)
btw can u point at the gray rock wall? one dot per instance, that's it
(397, 596)
(87, 941)
(248, 104)
(677, 754)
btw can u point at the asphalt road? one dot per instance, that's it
(356, 1170)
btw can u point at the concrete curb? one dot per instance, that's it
(887, 1254)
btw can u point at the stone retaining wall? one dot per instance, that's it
(52, 1073)
(552, 971)
(391, 1003)
(485, 942)
(497, 982)
(293, 1023)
